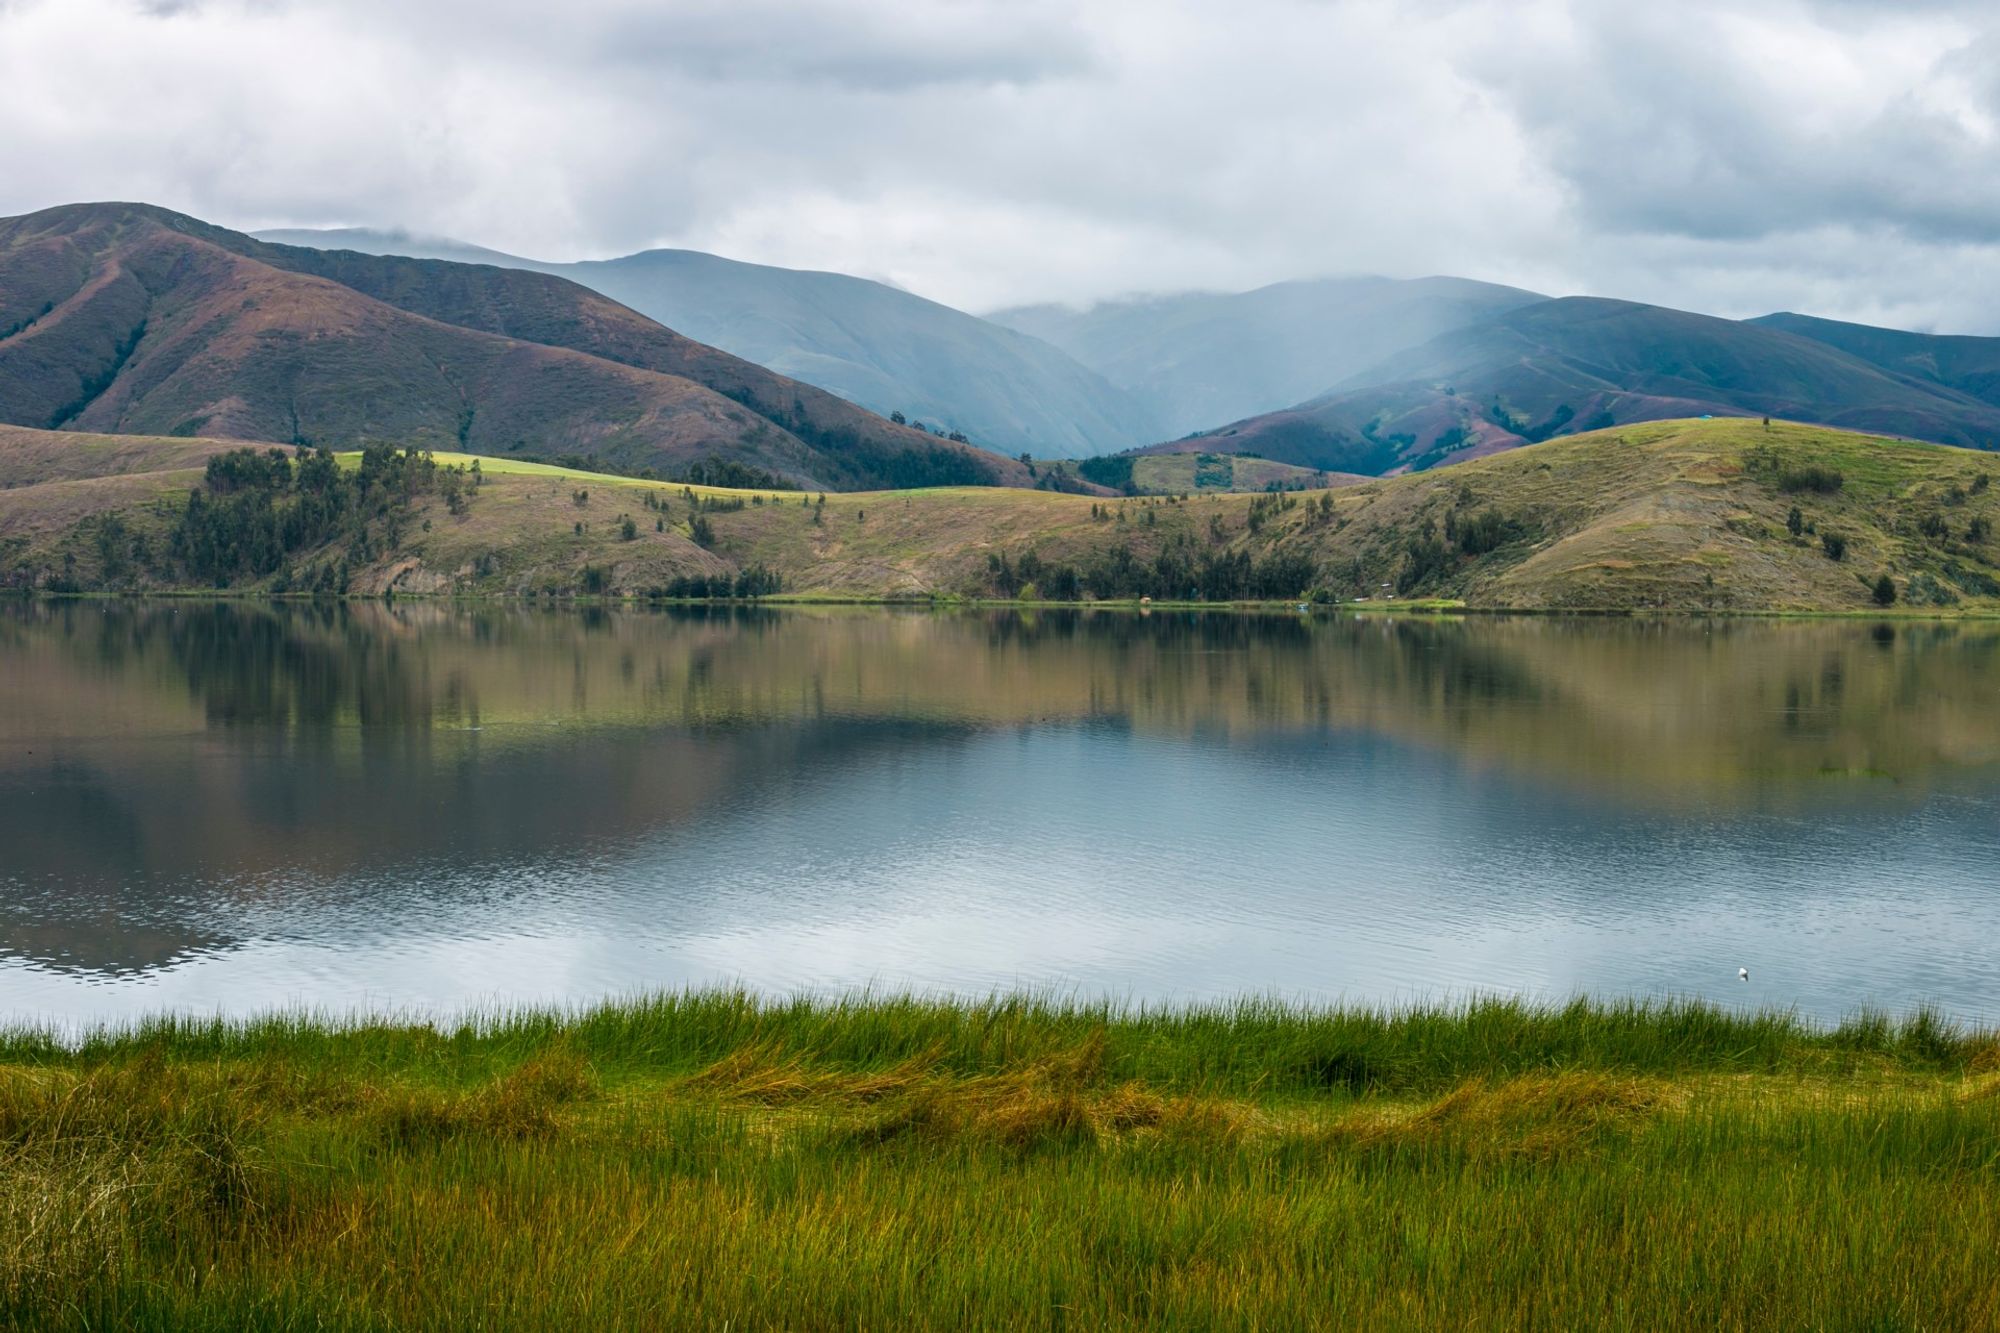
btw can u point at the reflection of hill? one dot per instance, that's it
(1646, 708)
(167, 768)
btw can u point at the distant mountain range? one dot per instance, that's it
(1366, 374)
(1207, 358)
(1559, 367)
(868, 342)
(130, 319)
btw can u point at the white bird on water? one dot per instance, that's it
(1743, 973)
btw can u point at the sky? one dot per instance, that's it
(1838, 157)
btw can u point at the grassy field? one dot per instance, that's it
(1159, 474)
(1675, 516)
(712, 1160)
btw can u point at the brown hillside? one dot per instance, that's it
(134, 320)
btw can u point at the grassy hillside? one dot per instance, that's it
(136, 320)
(1165, 474)
(1578, 364)
(712, 1160)
(1671, 515)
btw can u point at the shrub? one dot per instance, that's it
(1834, 544)
(1816, 477)
(1885, 591)
(1113, 470)
(1486, 531)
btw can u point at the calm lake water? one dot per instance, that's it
(234, 808)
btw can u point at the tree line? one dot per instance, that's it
(256, 509)
(1178, 570)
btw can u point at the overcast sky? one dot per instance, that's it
(1840, 157)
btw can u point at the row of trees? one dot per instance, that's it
(756, 581)
(1178, 570)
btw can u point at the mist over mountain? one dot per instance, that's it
(1207, 358)
(870, 343)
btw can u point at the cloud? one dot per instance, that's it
(1836, 155)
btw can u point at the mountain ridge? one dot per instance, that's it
(1573, 364)
(873, 344)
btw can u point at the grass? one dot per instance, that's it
(1159, 474)
(714, 1160)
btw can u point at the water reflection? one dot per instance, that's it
(238, 805)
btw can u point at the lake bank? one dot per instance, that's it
(709, 1158)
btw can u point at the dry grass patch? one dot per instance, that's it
(1533, 1115)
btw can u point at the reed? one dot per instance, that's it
(713, 1158)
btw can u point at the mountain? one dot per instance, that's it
(865, 341)
(1583, 363)
(1206, 358)
(1969, 365)
(124, 318)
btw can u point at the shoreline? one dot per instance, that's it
(1424, 608)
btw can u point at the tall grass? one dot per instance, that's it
(710, 1159)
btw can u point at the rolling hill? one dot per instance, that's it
(1583, 363)
(867, 342)
(123, 318)
(1203, 359)
(1676, 515)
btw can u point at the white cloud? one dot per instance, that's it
(1838, 156)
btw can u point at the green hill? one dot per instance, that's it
(131, 319)
(1679, 515)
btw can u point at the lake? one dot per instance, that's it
(233, 807)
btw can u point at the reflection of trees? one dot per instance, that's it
(1646, 707)
(469, 736)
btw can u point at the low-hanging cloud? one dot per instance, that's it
(1839, 156)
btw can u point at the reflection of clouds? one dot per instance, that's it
(1343, 869)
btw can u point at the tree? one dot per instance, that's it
(899, 418)
(627, 529)
(1885, 590)
(1795, 522)
(1834, 545)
